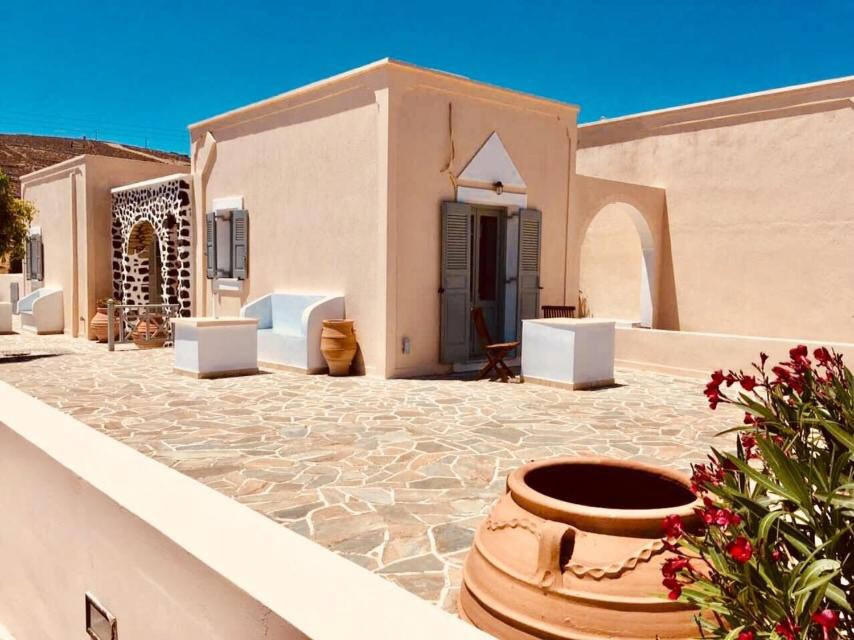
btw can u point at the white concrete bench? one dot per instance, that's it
(289, 326)
(41, 311)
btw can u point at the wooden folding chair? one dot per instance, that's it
(557, 311)
(495, 352)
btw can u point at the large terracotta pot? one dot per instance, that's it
(99, 324)
(574, 550)
(149, 334)
(338, 345)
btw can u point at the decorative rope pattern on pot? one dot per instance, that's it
(521, 523)
(644, 554)
(597, 572)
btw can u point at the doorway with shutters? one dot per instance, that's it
(491, 260)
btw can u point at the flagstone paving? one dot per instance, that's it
(393, 474)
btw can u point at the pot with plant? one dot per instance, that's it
(99, 324)
(775, 555)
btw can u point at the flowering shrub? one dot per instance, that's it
(773, 553)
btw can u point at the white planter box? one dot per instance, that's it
(216, 347)
(5, 317)
(568, 352)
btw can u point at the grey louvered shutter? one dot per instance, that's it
(240, 243)
(38, 259)
(530, 241)
(210, 247)
(456, 282)
(29, 258)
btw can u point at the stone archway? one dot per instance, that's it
(623, 236)
(152, 224)
(646, 209)
(143, 278)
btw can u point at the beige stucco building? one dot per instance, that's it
(418, 194)
(73, 227)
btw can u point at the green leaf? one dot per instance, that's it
(840, 434)
(787, 472)
(837, 596)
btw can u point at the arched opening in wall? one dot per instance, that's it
(144, 279)
(617, 266)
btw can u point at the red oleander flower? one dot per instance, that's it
(823, 356)
(740, 550)
(788, 629)
(763, 357)
(747, 635)
(827, 619)
(799, 351)
(748, 383)
(673, 527)
(672, 566)
(675, 588)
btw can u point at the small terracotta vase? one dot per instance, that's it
(574, 550)
(155, 330)
(338, 345)
(99, 325)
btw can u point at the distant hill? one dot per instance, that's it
(21, 154)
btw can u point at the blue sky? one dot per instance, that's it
(139, 72)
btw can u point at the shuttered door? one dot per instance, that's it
(456, 282)
(530, 241)
(240, 243)
(210, 244)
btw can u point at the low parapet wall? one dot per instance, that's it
(169, 557)
(698, 354)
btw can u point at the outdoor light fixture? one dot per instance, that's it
(499, 187)
(100, 623)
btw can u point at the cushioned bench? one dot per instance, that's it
(289, 326)
(41, 311)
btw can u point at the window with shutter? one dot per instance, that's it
(455, 282)
(530, 241)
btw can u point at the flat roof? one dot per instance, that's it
(768, 93)
(151, 181)
(373, 66)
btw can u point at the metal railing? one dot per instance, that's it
(147, 320)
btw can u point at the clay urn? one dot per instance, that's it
(99, 324)
(574, 550)
(338, 345)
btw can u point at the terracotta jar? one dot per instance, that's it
(338, 345)
(574, 550)
(149, 334)
(99, 324)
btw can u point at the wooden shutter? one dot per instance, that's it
(29, 257)
(239, 243)
(37, 247)
(210, 250)
(456, 282)
(530, 241)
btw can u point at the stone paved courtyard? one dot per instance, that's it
(392, 474)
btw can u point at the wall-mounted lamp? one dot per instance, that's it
(499, 187)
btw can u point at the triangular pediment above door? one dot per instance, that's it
(492, 164)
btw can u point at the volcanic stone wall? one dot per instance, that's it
(166, 205)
